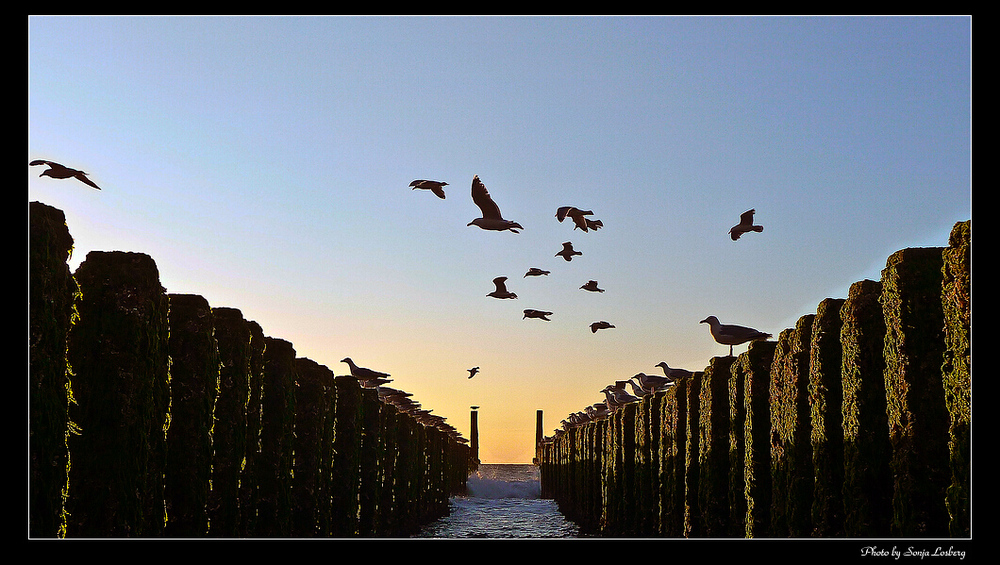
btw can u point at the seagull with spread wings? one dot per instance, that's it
(491, 219)
(437, 187)
(58, 171)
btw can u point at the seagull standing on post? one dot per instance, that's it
(491, 220)
(58, 171)
(728, 334)
(361, 373)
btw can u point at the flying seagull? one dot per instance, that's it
(361, 373)
(745, 225)
(540, 314)
(567, 252)
(592, 287)
(491, 220)
(437, 187)
(728, 334)
(602, 325)
(473, 371)
(58, 171)
(578, 217)
(501, 291)
(673, 373)
(535, 272)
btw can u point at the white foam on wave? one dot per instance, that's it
(492, 488)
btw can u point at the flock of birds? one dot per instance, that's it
(491, 219)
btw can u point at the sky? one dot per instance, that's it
(264, 163)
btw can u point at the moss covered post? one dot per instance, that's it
(229, 436)
(713, 448)
(918, 420)
(956, 373)
(673, 448)
(52, 295)
(827, 435)
(249, 492)
(274, 467)
(313, 386)
(118, 351)
(791, 453)
(692, 454)
(194, 382)
(755, 366)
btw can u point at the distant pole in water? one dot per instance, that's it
(475, 437)
(538, 435)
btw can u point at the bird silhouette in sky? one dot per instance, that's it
(568, 252)
(602, 325)
(592, 287)
(491, 219)
(535, 272)
(579, 218)
(501, 290)
(745, 225)
(473, 371)
(58, 171)
(437, 187)
(539, 314)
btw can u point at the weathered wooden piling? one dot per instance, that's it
(918, 421)
(274, 466)
(867, 491)
(755, 367)
(791, 452)
(956, 372)
(229, 435)
(346, 469)
(121, 390)
(52, 295)
(313, 387)
(673, 456)
(370, 449)
(826, 417)
(713, 448)
(692, 454)
(194, 382)
(249, 493)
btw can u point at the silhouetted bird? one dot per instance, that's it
(473, 371)
(58, 171)
(501, 290)
(535, 272)
(652, 383)
(568, 252)
(437, 187)
(578, 217)
(745, 225)
(602, 325)
(361, 373)
(491, 220)
(673, 373)
(540, 314)
(728, 334)
(592, 287)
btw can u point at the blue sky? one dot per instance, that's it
(264, 163)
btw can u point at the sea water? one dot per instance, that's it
(502, 501)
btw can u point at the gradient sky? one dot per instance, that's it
(264, 163)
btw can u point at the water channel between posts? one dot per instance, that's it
(502, 501)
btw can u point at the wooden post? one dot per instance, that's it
(826, 413)
(956, 301)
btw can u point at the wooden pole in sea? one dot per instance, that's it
(474, 439)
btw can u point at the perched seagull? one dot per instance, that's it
(501, 291)
(745, 225)
(602, 325)
(535, 272)
(473, 371)
(361, 373)
(673, 374)
(437, 187)
(652, 383)
(592, 287)
(637, 390)
(540, 314)
(728, 334)
(58, 171)
(567, 252)
(491, 220)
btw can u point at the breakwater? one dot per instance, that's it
(156, 415)
(855, 423)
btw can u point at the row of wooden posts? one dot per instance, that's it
(855, 423)
(156, 415)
